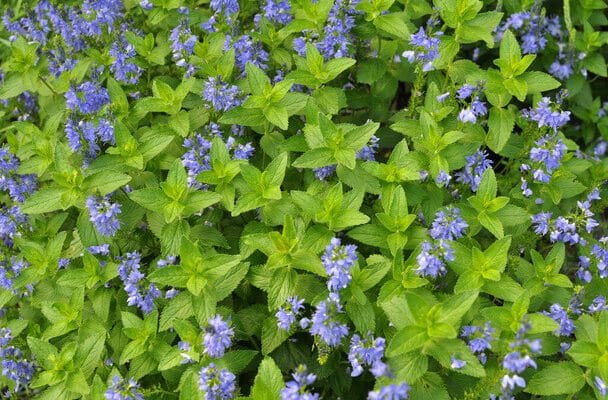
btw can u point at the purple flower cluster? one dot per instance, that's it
(337, 38)
(298, 388)
(560, 315)
(338, 261)
(447, 226)
(547, 113)
(223, 10)
(216, 384)
(476, 107)
(197, 158)
(123, 67)
(432, 257)
(367, 352)
(246, 49)
(518, 360)
(288, 313)
(477, 163)
(14, 366)
(122, 389)
(479, 339)
(392, 391)
(426, 48)
(218, 337)
(10, 269)
(221, 95)
(277, 11)
(16, 185)
(325, 321)
(86, 101)
(11, 222)
(182, 45)
(64, 32)
(104, 214)
(131, 276)
(532, 29)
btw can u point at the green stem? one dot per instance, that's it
(568, 21)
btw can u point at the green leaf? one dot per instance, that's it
(44, 200)
(539, 81)
(315, 158)
(276, 115)
(492, 224)
(500, 124)
(258, 81)
(556, 379)
(268, 382)
(393, 24)
(487, 187)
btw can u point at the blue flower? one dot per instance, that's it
(221, 95)
(124, 69)
(298, 388)
(467, 115)
(88, 98)
(600, 385)
(338, 261)
(448, 224)
(479, 339)
(443, 179)
(287, 314)
(390, 392)
(104, 214)
(182, 45)
(247, 50)
(218, 337)
(278, 11)
(426, 48)
(477, 163)
(432, 257)
(131, 276)
(216, 384)
(560, 315)
(11, 222)
(546, 113)
(456, 363)
(367, 352)
(325, 324)
(16, 185)
(121, 389)
(14, 365)
(337, 38)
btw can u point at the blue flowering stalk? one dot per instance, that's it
(479, 339)
(182, 46)
(477, 163)
(15, 366)
(221, 96)
(16, 185)
(392, 391)
(122, 389)
(87, 98)
(432, 257)
(12, 223)
(560, 315)
(547, 113)
(277, 11)
(216, 383)
(197, 157)
(426, 48)
(325, 323)
(299, 387)
(288, 313)
(338, 261)
(448, 225)
(104, 214)
(123, 67)
(218, 337)
(246, 50)
(131, 276)
(367, 352)
(518, 360)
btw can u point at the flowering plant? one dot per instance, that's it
(303, 199)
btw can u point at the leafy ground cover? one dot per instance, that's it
(305, 199)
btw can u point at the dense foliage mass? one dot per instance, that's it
(303, 199)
